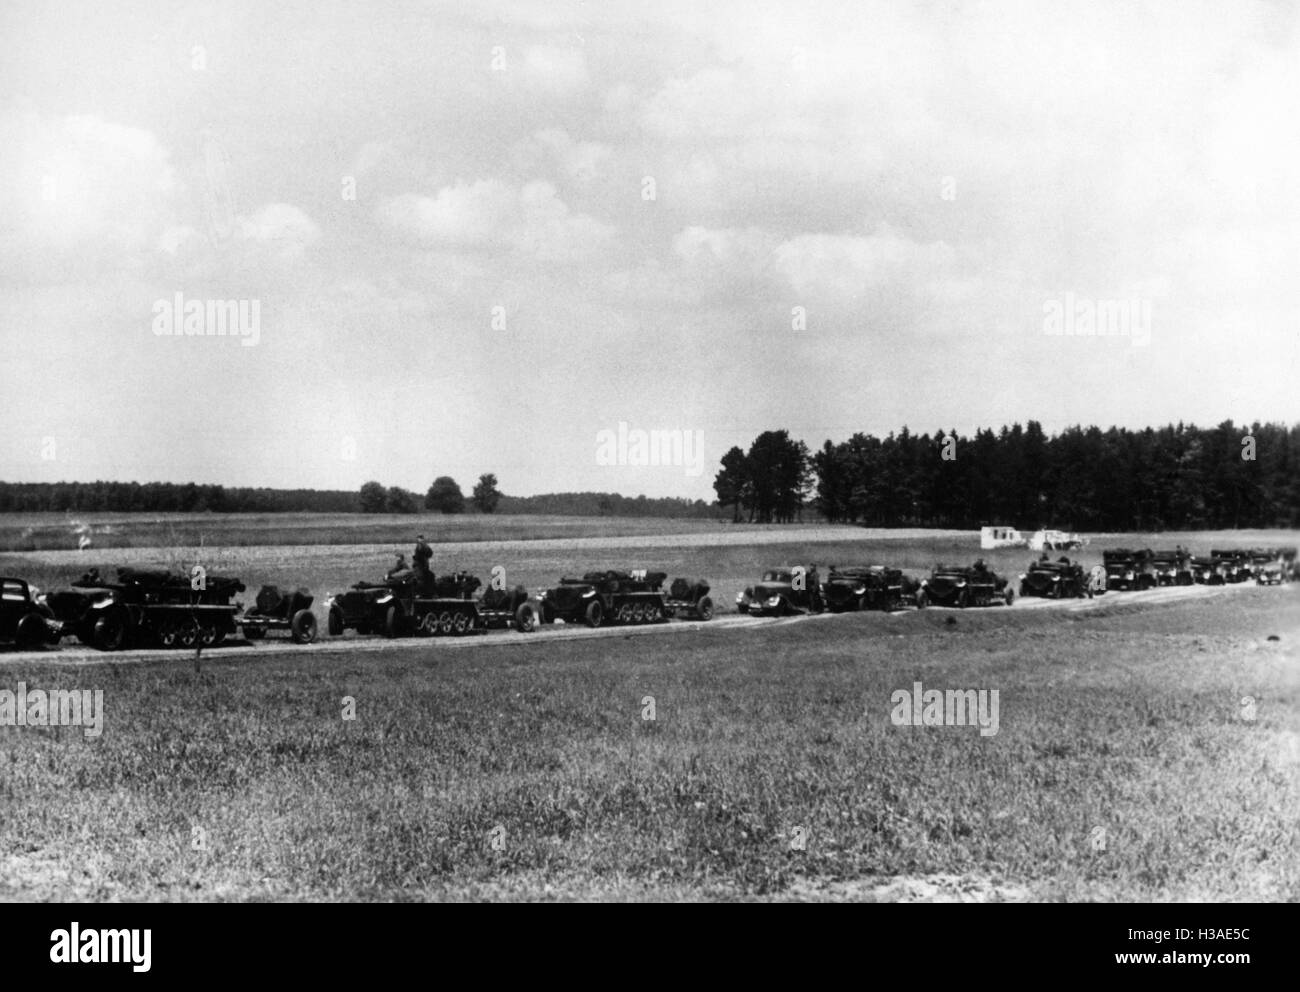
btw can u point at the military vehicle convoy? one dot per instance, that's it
(24, 622)
(950, 585)
(781, 591)
(147, 607)
(867, 587)
(1060, 579)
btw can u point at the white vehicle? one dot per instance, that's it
(1001, 537)
(1056, 540)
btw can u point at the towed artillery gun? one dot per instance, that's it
(1061, 579)
(962, 587)
(868, 587)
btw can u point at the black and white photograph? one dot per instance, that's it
(839, 451)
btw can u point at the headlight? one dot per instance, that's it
(1022, 576)
(774, 601)
(1056, 578)
(740, 597)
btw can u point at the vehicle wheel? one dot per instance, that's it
(1011, 596)
(110, 631)
(219, 638)
(705, 608)
(638, 613)
(445, 623)
(254, 633)
(625, 613)
(460, 623)
(207, 636)
(335, 623)
(963, 599)
(393, 621)
(596, 613)
(31, 631)
(526, 618)
(922, 599)
(188, 635)
(302, 628)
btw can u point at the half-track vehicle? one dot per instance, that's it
(148, 606)
(781, 591)
(867, 587)
(607, 597)
(422, 603)
(1208, 571)
(25, 621)
(978, 585)
(1061, 579)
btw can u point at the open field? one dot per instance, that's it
(1125, 716)
(60, 531)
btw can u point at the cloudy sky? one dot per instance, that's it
(479, 233)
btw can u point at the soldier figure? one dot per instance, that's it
(400, 569)
(815, 589)
(423, 554)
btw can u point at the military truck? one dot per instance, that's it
(608, 597)
(1127, 569)
(147, 606)
(1172, 568)
(867, 587)
(781, 591)
(950, 585)
(1060, 579)
(1208, 571)
(25, 621)
(1235, 563)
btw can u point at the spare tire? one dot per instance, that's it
(526, 618)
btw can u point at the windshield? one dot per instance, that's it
(776, 575)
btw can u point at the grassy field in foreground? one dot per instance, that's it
(1128, 719)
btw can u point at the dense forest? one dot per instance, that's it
(1083, 478)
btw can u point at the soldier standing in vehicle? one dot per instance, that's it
(400, 569)
(815, 589)
(423, 554)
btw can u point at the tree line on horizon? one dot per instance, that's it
(1173, 477)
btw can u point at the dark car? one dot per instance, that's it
(790, 589)
(147, 607)
(1061, 579)
(950, 585)
(25, 622)
(611, 596)
(867, 587)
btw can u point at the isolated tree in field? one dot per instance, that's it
(445, 496)
(373, 498)
(486, 496)
(732, 483)
(402, 500)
